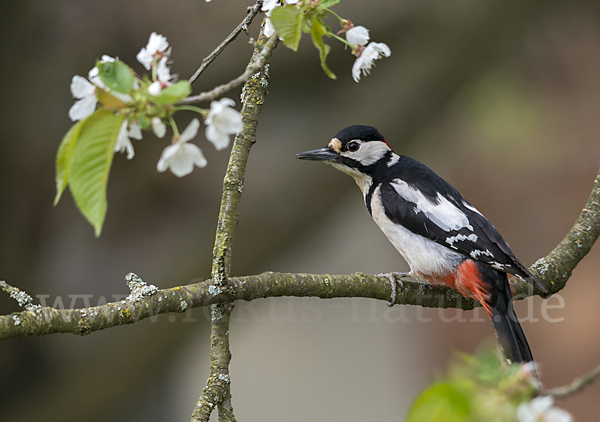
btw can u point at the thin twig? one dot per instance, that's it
(574, 387)
(243, 26)
(23, 299)
(234, 83)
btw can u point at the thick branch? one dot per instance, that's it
(555, 269)
(217, 391)
(243, 26)
(87, 320)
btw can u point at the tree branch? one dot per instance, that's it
(243, 26)
(217, 391)
(217, 92)
(550, 270)
(574, 387)
(555, 269)
(84, 321)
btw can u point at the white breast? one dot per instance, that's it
(422, 255)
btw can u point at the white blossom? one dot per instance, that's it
(540, 410)
(158, 127)
(269, 28)
(267, 7)
(358, 35)
(163, 76)
(163, 73)
(365, 61)
(85, 92)
(222, 121)
(181, 157)
(128, 130)
(157, 46)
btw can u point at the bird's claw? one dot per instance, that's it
(395, 281)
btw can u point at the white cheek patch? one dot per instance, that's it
(443, 214)
(368, 153)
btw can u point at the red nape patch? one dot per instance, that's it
(469, 282)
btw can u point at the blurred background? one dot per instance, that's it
(501, 98)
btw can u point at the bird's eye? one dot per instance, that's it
(353, 146)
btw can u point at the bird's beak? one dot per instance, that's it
(322, 154)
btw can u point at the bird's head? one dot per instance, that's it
(355, 150)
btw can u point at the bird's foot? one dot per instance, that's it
(396, 280)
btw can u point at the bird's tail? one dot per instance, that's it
(508, 330)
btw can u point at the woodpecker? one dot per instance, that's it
(442, 237)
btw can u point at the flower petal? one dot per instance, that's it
(158, 127)
(83, 108)
(184, 160)
(217, 107)
(163, 73)
(157, 44)
(358, 35)
(231, 121)
(365, 61)
(219, 139)
(135, 131)
(195, 154)
(541, 404)
(155, 88)
(81, 87)
(166, 157)
(191, 131)
(123, 142)
(269, 5)
(145, 58)
(269, 28)
(558, 415)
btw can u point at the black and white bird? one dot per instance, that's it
(442, 237)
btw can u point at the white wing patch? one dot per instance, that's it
(475, 254)
(422, 255)
(443, 214)
(460, 238)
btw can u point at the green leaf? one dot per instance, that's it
(287, 21)
(444, 401)
(317, 32)
(172, 94)
(63, 158)
(90, 164)
(117, 76)
(325, 4)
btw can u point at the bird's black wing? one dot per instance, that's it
(428, 206)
